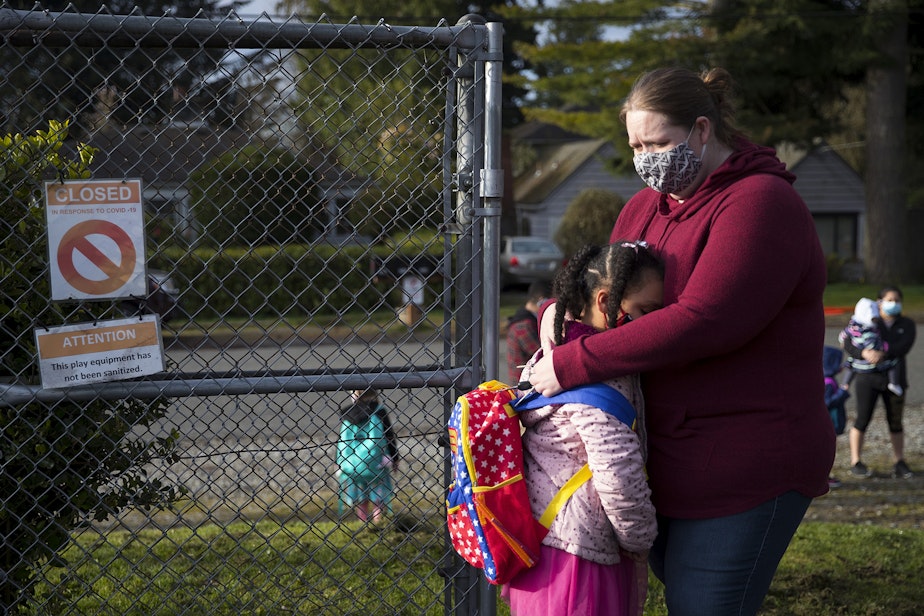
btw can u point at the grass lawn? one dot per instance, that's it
(334, 569)
(850, 569)
(264, 568)
(844, 569)
(326, 568)
(846, 295)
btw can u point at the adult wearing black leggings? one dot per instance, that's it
(899, 332)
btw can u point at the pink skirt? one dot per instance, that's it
(565, 584)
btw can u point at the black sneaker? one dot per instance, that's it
(901, 471)
(859, 470)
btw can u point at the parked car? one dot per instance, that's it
(524, 259)
(163, 298)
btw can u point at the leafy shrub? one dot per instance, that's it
(271, 281)
(588, 219)
(255, 196)
(63, 462)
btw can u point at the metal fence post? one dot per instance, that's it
(466, 581)
(492, 191)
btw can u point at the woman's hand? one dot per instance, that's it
(873, 356)
(542, 377)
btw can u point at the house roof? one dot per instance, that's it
(554, 164)
(790, 154)
(166, 155)
(538, 133)
(824, 180)
(159, 155)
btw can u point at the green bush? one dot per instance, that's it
(256, 195)
(588, 219)
(271, 281)
(66, 462)
(300, 279)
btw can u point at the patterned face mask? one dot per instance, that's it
(672, 171)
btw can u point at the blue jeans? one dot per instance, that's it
(724, 566)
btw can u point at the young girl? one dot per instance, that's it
(367, 452)
(594, 559)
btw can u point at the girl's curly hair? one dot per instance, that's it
(619, 267)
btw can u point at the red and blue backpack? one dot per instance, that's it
(488, 514)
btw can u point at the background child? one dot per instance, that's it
(523, 330)
(367, 452)
(835, 395)
(594, 559)
(863, 331)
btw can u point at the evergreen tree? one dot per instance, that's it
(886, 184)
(257, 196)
(799, 66)
(780, 51)
(790, 62)
(128, 84)
(381, 110)
(914, 165)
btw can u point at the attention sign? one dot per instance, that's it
(95, 239)
(87, 353)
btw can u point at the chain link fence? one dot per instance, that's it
(320, 210)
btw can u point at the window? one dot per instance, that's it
(838, 234)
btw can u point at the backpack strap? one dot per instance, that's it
(561, 497)
(599, 395)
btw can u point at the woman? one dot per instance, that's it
(898, 332)
(739, 437)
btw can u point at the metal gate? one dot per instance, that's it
(321, 209)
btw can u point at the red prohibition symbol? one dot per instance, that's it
(76, 240)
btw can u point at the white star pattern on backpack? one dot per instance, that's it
(488, 513)
(493, 452)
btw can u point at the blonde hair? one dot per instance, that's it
(682, 96)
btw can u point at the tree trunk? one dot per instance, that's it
(886, 189)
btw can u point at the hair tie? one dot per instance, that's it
(635, 245)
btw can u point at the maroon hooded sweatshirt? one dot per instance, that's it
(732, 365)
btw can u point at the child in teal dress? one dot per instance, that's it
(367, 453)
